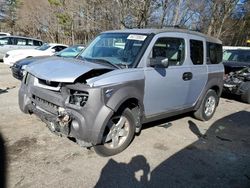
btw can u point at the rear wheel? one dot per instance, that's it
(118, 134)
(208, 106)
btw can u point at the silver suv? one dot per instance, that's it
(122, 80)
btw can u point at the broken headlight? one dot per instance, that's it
(78, 98)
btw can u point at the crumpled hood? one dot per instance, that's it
(236, 64)
(62, 70)
(232, 66)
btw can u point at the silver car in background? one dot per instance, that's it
(8, 43)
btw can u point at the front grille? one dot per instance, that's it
(16, 65)
(46, 105)
(48, 83)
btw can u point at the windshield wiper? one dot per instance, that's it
(96, 60)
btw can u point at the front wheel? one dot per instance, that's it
(208, 106)
(118, 134)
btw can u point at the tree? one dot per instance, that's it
(10, 10)
(220, 11)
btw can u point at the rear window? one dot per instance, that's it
(214, 53)
(37, 43)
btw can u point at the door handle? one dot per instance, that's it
(187, 76)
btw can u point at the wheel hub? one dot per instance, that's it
(210, 106)
(118, 132)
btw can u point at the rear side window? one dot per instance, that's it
(196, 52)
(30, 42)
(214, 53)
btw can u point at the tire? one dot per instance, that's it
(245, 97)
(208, 106)
(118, 134)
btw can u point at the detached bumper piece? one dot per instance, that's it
(58, 125)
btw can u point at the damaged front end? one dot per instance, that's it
(69, 109)
(235, 82)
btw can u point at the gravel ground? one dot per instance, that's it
(183, 153)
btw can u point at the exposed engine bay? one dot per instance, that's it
(236, 82)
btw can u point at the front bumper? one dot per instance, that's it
(17, 72)
(86, 123)
(236, 89)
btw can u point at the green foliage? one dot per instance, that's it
(55, 2)
(63, 18)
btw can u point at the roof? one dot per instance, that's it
(21, 37)
(4, 34)
(236, 48)
(170, 29)
(56, 44)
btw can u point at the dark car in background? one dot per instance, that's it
(237, 72)
(236, 59)
(18, 69)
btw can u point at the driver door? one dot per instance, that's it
(166, 87)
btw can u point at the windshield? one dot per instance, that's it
(71, 51)
(117, 49)
(43, 47)
(237, 55)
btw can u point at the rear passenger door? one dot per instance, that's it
(20, 43)
(197, 58)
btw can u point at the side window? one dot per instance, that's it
(4, 41)
(214, 53)
(196, 52)
(171, 48)
(20, 41)
(61, 48)
(30, 42)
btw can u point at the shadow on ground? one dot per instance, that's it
(2, 163)
(2, 91)
(220, 158)
(231, 97)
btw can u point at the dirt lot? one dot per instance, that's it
(185, 153)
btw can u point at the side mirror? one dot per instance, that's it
(53, 50)
(159, 62)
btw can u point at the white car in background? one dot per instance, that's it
(47, 49)
(4, 34)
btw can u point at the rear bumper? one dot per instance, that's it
(236, 89)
